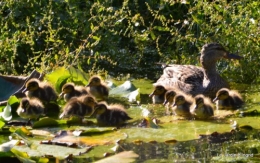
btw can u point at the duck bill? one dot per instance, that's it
(232, 56)
(174, 104)
(151, 95)
(24, 90)
(61, 94)
(93, 113)
(165, 102)
(215, 99)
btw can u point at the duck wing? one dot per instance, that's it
(188, 78)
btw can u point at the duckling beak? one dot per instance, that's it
(61, 94)
(93, 113)
(174, 104)
(24, 90)
(151, 95)
(232, 56)
(215, 99)
(165, 102)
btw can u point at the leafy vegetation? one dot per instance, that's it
(130, 36)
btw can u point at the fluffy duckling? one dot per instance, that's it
(97, 88)
(30, 108)
(169, 99)
(158, 94)
(203, 107)
(41, 90)
(181, 105)
(110, 115)
(228, 99)
(69, 90)
(80, 107)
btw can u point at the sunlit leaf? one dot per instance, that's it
(7, 113)
(2, 124)
(45, 122)
(127, 90)
(12, 100)
(126, 156)
(22, 156)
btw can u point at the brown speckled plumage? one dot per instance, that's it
(198, 80)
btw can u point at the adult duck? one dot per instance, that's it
(198, 80)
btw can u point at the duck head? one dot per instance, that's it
(213, 52)
(178, 100)
(169, 96)
(67, 88)
(31, 85)
(222, 94)
(158, 90)
(94, 81)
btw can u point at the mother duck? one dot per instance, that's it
(198, 80)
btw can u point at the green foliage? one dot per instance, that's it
(127, 36)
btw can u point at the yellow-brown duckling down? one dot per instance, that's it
(203, 108)
(70, 90)
(41, 90)
(158, 94)
(79, 106)
(30, 108)
(169, 99)
(98, 88)
(110, 115)
(228, 99)
(181, 105)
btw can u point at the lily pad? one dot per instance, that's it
(45, 122)
(126, 156)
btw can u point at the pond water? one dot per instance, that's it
(173, 139)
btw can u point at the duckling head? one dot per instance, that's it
(32, 85)
(67, 88)
(179, 100)
(169, 96)
(89, 100)
(199, 102)
(158, 90)
(100, 108)
(24, 104)
(94, 81)
(222, 94)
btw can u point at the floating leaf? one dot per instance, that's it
(22, 156)
(7, 113)
(45, 122)
(126, 156)
(126, 90)
(2, 124)
(5, 147)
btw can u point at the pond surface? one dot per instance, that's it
(172, 139)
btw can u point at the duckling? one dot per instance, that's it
(181, 105)
(41, 90)
(97, 88)
(79, 106)
(110, 115)
(203, 107)
(30, 108)
(196, 80)
(228, 99)
(169, 99)
(158, 94)
(69, 90)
